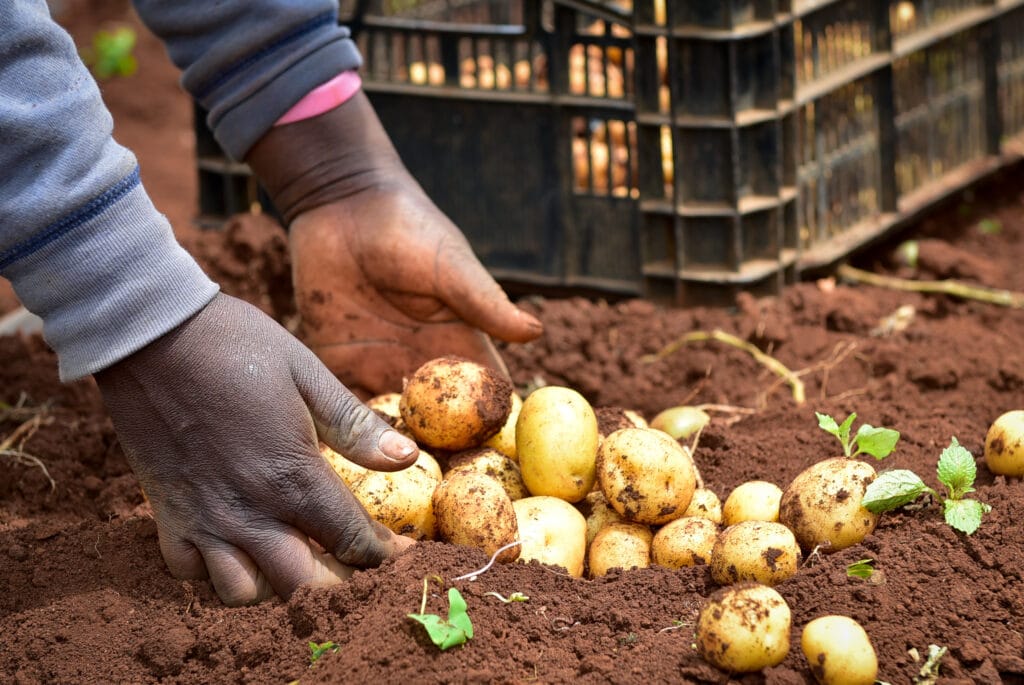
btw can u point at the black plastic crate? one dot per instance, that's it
(683, 150)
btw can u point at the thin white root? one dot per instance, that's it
(471, 576)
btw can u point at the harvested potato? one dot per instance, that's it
(705, 504)
(762, 551)
(505, 439)
(646, 475)
(556, 440)
(427, 462)
(839, 651)
(682, 423)
(755, 500)
(401, 500)
(687, 541)
(822, 504)
(744, 628)
(454, 404)
(349, 471)
(1004, 445)
(622, 545)
(598, 513)
(473, 509)
(552, 532)
(495, 464)
(386, 404)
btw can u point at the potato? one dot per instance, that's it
(552, 532)
(611, 419)
(1004, 445)
(454, 404)
(705, 504)
(473, 509)
(687, 541)
(755, 500)
(401, 500)
(598, 513)
(839, 651)
(744, 628)
(387, 404)
(761, 551)
(349, 471)
(681, 422)
(822, 504)
(505, 439)
(646, 475)
(556, 440)
(620, 545)
(490, 461)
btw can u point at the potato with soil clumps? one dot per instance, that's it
(473, 509)
(744, 628)
(552, 532)
(839, 651)
(620, 545)
(401, 500)
(646, 475)
(762, 551)
(706, 505)
(687, 541)
(598, 513)
(822, 506)
(454, 404)
(1004, 445)
(556, 440)
(493, 463)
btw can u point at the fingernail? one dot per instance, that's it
(531, 321)
(396, 446)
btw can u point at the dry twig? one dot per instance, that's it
(12, 446)
(954, 288)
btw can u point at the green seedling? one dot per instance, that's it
(878, 442)
(446, 633)
(990, 227)
(956, 471)
(317, 650)
(929, 673)
(111, 53)
(514, 597)
(865, 568)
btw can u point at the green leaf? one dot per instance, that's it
(861, 569)
(892, 490)
(453, 632)
(844, 432)
(878, 442)
(457, 615)
(957, 470)
(990, 226)
(827, 424)
(318, 650)
(965, 514)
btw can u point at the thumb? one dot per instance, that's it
(343, 422)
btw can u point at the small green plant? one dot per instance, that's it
(514, 597)
(317, 650)
(878, 442)
(445, 633)
(990, 227)
(111, 53)
(865, 568)
(956, 471)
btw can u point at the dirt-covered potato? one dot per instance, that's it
(505, 439)
(646, 475)
(762, 551)
(387, 404)
(454, 404)
(705, 504)
(682, 423)
(687, 541)
(401, 500)
(744, 628)
(493, 463)
(839, 651)
(822, 504)
(1004, 445)
(755, 500)
(349, 471)
(556, 440)
(473, 509)
(622, 545)
(552, 532)
(598, 513)
(611, 419)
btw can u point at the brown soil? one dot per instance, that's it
(85, 596)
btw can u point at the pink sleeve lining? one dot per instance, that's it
(323, 98)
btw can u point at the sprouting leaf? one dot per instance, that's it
(827, 424)
(514, 597)
(317, 650)
(990, 226)
(452, 632)
(957, 470)
(878, 442)
(892, 490)
(965, 514)
(861, 569)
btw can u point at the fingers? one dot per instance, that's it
(235, 576)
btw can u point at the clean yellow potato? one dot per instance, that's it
(761, 551)
(401, 500)
(822, 504)
(454, 404)
(705, 504)
(473, 509)
(682, 422)
(839, 651)
(1004, 445)
(505, 439)
(744, 628)
(620, 545)
(598, 513)
(687, 541)
(755, 500)
(556, 440)
(490, 461)
(552, 532)
(646, 475)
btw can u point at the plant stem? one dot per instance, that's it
(966, 291)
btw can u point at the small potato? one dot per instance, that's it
(822, 504)
(552, 532)
(681, 422)
(556, 440)
(505, 439)
(744, 628)
(761, 551)
(598, 513)
(387, 404)
(755, 500)
(495, 464)
(687, 541)
(401, 500)
(705, 504)
(473, 509)
(454, 404)
(620, 545)
(1004, 445)
(646, 475)
(839, 651)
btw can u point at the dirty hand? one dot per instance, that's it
(384, 281)
(219, 419)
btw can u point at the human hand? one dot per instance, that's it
(220, 420)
